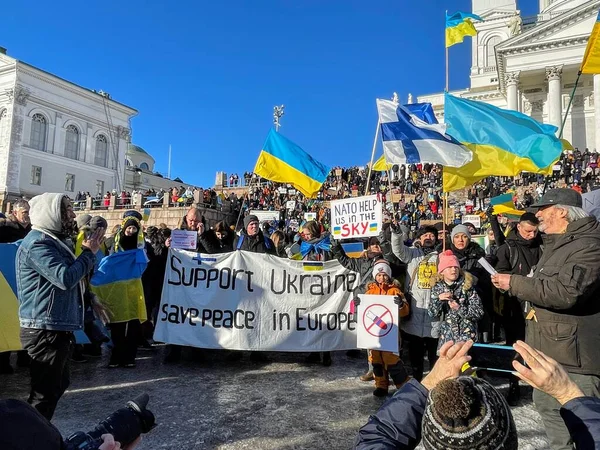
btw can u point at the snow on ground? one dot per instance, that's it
(217, 403)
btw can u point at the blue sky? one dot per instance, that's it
(205, 75)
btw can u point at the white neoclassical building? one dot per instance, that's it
(56, 136)
(530, 64)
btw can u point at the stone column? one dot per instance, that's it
(596, 111)
(512, 90)
(554, 75)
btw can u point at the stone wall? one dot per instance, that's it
(169, 216)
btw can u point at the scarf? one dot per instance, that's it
(321, 246)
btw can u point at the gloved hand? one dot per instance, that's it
(356, 302)
(399, 300)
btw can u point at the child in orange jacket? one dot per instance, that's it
(386, 363)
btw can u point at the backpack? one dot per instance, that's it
(268, 245)
(513, 255)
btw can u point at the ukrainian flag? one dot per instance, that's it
(503, 204)
(503, 142)
(459, 25)
(381, 165)
(591, 58)
(118, 284)
(9, 305)
(283, 161)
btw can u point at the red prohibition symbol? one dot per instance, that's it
(374, 320)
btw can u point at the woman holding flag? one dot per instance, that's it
(118, 285)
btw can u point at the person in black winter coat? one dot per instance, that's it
(159, 241)
(252, 238)
(518, 255)
(412, 414)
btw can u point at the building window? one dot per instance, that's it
(144, 166)
(36, 175)
(3, 126)
(101, 151)
(99, 187)
(39, 128)
(490, 50)
(72, 142)
(70, 183)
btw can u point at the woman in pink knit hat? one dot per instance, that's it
(455, 301)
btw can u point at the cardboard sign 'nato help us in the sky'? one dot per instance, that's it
(356, 217)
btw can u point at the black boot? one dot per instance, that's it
(326, 359)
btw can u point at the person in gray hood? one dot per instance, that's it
(50, 293)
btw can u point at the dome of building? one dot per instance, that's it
(136, 149)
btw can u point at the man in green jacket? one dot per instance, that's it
(562, 296)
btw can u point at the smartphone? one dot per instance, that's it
(494, 357)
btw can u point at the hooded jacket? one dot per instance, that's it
(49, 275)
(461, 324)
(564, 291)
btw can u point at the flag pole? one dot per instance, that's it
(564, 121)
(447, 63)
(445, 194)
(372, 157)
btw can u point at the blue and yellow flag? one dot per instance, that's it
(283, 161)
(591, 58)
(118, 284)
(503, 204)
(381, 165)
(9, 305)
(459, 25)
(503, 142)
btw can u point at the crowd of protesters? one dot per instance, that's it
(548, 272)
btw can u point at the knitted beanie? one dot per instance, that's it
(460, 229)
(447, 259)
(467, 413)
(249, 219)
(382, 266)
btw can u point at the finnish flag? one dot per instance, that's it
(407, 139)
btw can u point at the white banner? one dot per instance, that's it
(249, 301)
(356, 217)
(266, 216)
(377, 324)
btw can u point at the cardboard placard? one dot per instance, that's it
(356, 217)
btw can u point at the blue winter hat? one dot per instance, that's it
(132, 213)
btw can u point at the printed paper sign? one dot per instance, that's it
(250, 301)
(290, 205)
(184, 239)
(377, 323)
(356, 217)
(474, 219)
(310, 216)
(266, 216)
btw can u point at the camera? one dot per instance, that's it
(125, 424)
